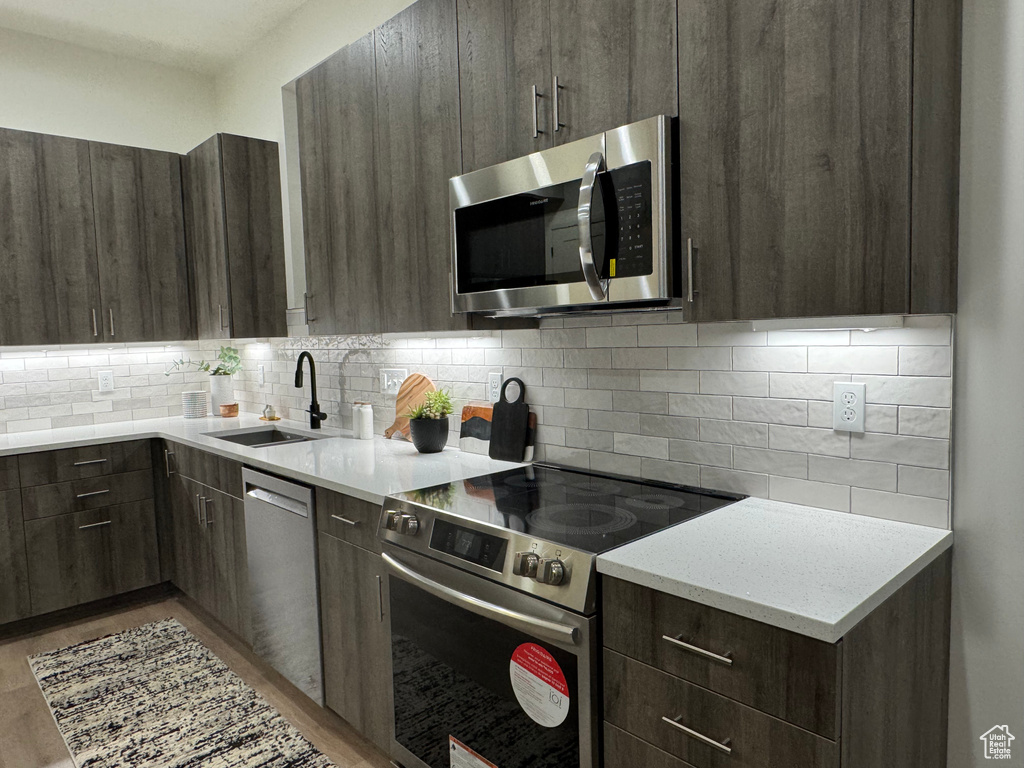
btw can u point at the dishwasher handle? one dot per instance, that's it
(278, 500)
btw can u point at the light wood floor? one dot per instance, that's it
(30, 739)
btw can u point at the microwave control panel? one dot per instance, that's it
(629, 233)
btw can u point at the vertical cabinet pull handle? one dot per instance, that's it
(721, 746)
(380, 596)
(206, 511)
(536, 113)
(199, 508)
(111, 311)
(95, 325)
(689, 270)
(223, 325)
(167, 463)
(555, 88)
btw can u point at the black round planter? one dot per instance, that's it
(429, 435)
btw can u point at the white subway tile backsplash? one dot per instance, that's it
(809, 493)
(781, 359)
(745, 384)
(715, 404)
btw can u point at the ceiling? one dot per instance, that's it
(198, 35)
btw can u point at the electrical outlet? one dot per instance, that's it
(391, 379)
(106, 379)
(848, 405)
(493, 386)
(261, 374)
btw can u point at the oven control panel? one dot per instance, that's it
(469, 545)
(545, 570)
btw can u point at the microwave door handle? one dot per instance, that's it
(539, 628)
(598, 287)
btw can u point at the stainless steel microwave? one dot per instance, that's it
(585, 225)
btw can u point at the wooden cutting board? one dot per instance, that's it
(510, 423)
(411, 395)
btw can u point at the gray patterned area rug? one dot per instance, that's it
(156, 697)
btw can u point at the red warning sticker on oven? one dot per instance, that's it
(539, 685)
(464, 757)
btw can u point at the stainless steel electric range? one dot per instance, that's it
(492, 588)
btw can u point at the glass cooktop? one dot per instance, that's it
(588, 512)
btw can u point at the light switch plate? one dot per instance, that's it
(493, 386)
(848, 403)
(106, 380)
(391, 379)
(261, 374)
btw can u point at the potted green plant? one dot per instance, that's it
(229, 362)
(428, 424)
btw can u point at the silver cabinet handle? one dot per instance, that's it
(90, 461)
(305, 308)
(721, 746)
(206, 511)
(536, 114)
(111, 311)
(344, 520)
(95, 325)
(689, 270)
(91, 493)
(726, 659)
(167, 463)
(380, 596)
(555, 88)
(598, 287)
(93, 525)
(542, 628)
(199, 508)
(222, 323)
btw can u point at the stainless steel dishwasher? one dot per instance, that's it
(280, 533)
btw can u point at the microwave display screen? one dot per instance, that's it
(532, 239)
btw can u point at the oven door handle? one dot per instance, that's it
(540, 628)
(598, 287)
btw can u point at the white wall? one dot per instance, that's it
(987, 686)
(54, 87)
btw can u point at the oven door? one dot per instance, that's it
(582, 225)
(484, 675)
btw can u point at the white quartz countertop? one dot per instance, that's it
(365, 469)
(808, 570)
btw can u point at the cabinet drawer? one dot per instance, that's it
(74, 559)
(776, 671)
(224, 475)
(78, 463)
(347, 518)
(623, 750)
(639, 698)
(8, 473)
(90, 493)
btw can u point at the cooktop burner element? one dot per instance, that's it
(538, 528)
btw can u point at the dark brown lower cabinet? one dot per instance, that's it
(85, 556)
(689, 686)
(356, 643)
(210, 552)
(14, 599)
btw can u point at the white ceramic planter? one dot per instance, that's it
(222, 392)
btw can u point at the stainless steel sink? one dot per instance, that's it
(263, 437)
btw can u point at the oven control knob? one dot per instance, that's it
(525, 564)
(408, 524)
(551, 571)
(391, 521)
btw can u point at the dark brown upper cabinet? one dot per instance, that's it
(539, 73)
(140, 244)
(337, 116)
(818, 145)
(50, 288)
(418, 151)
(236, 237)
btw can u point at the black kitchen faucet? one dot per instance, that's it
(315, 414)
